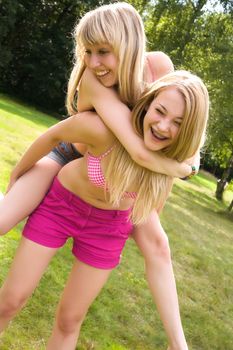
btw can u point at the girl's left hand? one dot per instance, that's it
(195, 160)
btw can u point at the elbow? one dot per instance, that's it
(54, 141)
(139, 157)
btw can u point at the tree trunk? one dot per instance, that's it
(221, 184)
(230, 206)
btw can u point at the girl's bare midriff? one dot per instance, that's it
(73, 177)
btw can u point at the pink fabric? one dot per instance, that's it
(95, 173)
(98, 235)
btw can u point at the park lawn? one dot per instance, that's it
(124, 317)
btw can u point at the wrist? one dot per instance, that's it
(193, 170)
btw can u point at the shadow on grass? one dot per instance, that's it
(194, 197)
(226, 214)
(191, 201)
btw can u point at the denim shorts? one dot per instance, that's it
(99, 235)
(64, 153)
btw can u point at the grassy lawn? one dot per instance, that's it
(124, 316)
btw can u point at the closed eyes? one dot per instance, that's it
(100, 52)
(159, 111)
(177, 122)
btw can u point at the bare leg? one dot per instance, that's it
(27, 193)
(83, 286)
(153, 243)
(28, 266)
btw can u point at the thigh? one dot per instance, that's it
(27, 193)
(84, 284)
(28, 266)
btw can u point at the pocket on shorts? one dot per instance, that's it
(126, 229)
(120, 230)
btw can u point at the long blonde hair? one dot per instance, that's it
(152, 188)
(120, 26)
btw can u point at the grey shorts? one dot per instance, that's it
(64, 153)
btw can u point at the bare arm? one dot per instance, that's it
(84, 128)
(153, 243)
(117, 116)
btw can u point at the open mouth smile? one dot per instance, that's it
(158, 136)
(102, 73)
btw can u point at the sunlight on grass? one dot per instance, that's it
(19, 125)
(205, 179)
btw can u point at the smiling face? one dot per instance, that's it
(103, 62)
(163, 119)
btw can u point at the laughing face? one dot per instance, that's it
(163, 119)
(103, 62)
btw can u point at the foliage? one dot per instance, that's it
(216, 65)
(36, 46)
(214, 62)
(171, 25)
(200, 38)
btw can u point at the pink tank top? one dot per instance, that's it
(95, 173)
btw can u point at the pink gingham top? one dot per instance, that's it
(95, 173)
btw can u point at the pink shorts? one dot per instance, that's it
(99, 235)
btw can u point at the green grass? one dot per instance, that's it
(124, 316)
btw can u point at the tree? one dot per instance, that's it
(216, 64)
(8, 13)
(171, 26)
(217, 67)
(38, 48)
(200, 40)
(226, 177)
(230, 206)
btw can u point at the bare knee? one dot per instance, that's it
(4, 228)
(158, 249)
(8, 219)
(3, 225)
(11, 303)
(69, 321)
(6, 225)
(162, 247)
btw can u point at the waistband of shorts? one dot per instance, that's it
(87, 207)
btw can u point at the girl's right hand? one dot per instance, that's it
(195, 160)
